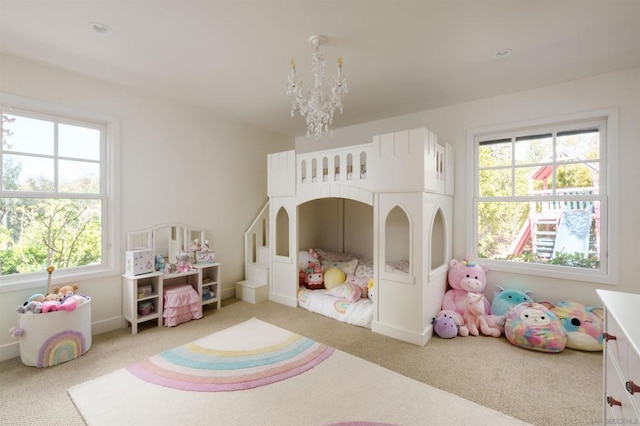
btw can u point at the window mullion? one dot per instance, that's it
(55, 157)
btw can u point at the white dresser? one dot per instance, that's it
(621, 357)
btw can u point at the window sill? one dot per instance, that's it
(39, 280)
(558, 272)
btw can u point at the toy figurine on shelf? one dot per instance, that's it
(206, 255)
(196, 245)
(160, 263)
(183, 264)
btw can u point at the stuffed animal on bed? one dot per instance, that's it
(465, 276)
(533, 326)
(504, 299)
(333, 277)
(314, 279)
(582, 324)
(306, 260)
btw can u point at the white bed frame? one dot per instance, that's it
(408, 170)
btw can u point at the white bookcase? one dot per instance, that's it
(209, 281)
(203, 276)
(167, 240)
(132, 295)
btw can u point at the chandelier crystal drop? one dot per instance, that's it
(317, 103)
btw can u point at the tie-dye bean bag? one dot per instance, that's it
(532, 326)
(583, 324)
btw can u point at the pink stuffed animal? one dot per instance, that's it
(474, 317)
(306, 261)
(54, 305)
(314, 279)
(464, 277)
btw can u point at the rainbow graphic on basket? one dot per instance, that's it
(61, 347)
(194, 368)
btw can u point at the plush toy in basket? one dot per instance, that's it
(52, 332)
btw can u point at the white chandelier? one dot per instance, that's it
(317, 103)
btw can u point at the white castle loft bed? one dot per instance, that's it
(388, 202)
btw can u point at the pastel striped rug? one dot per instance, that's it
(255, 373)
(194, 367)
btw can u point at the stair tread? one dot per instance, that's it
(251, 284)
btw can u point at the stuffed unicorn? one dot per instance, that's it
(465, 276)
(474, 317)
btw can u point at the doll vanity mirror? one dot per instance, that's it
(168, 240)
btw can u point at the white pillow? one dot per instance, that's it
(348, 267)
(365, 268)
(334, 257)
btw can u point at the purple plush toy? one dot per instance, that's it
(444, 325)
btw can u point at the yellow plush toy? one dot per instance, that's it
(333, 277)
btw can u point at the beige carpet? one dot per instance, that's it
(542, 389)
(256, 373)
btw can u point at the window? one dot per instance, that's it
(56, 192)
(541, 199)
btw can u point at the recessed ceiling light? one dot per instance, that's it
(100, 28)
(502, 53)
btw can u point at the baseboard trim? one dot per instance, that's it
(288, 301)
(105, 325)
(9, 350)
(419, 339)
(229, 293)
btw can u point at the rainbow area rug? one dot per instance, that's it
(195, 367)
(255, 373)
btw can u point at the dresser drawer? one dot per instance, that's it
(616, 343)
(618, 402)
(622, 357)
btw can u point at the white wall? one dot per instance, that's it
(177, 164)
(614, 90)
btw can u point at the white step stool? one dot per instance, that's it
(252, 292)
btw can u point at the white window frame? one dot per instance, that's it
(109, 182)
(608, 272)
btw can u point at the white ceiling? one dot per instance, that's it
(232, 57)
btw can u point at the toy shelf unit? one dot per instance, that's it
(209, 283)
(146, 280)
(141, 299)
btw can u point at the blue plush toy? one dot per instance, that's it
(505, 299)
